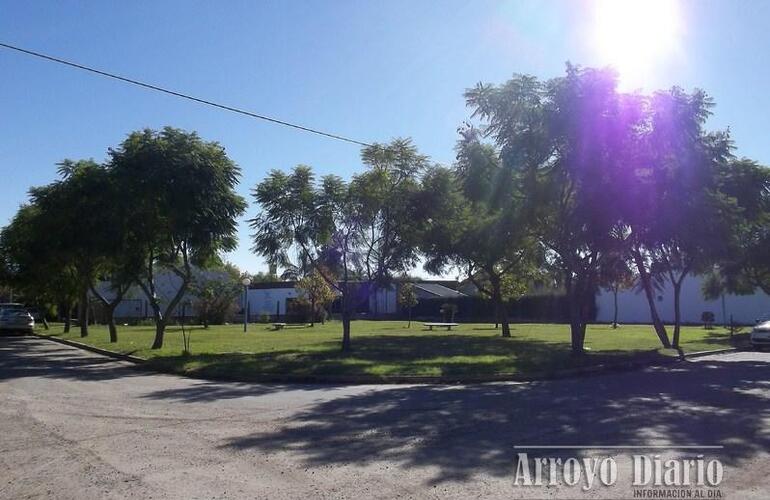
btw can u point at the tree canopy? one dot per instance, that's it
(181, 192)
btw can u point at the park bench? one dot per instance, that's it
(448, 326)
(281, 326)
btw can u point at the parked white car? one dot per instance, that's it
(16, 320)
(760, 334)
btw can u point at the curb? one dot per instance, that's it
(699, 354)
(587, 371)
(97, 350)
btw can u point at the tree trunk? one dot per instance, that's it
(504, 321)
(345, 329)
(162, 317)
(113, 330)
(68, 318)
(45, 323)
(160, 329)
(677, 314)
(111, 323)
(312, 313)
(83, 312)
(109, 308)
(160, 325)
(660, 328)
(502, 313)
(576, 323)
(615, 316)
(409, 323)
(576, 328)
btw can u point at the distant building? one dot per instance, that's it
(274, 297)
(633, 306)
(135, 304)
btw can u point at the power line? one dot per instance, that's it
(183, 96)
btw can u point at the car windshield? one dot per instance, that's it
(14, 312)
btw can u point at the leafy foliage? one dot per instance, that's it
(216, 292)
(407, 298)
(181, 193)
(316, 292)
(353, 234)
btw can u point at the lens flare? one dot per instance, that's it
(637, 37)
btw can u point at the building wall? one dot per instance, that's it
(136, 306)
(263, 300)
(384, 301)
(633, 307)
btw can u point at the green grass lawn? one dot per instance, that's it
(388, 348)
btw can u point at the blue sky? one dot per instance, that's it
(365, 69)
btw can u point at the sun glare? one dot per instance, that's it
(637, 37)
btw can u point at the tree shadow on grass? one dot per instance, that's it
(722, 338)
(459, 431)
(450, 355)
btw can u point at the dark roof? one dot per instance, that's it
(437, 287)
(272, 284)
(438, 290)
(451, 284)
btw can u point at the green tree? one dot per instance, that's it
(30, 264)
(215, 293)
(476, 223)
(746, 265)
(180, 190)
(567, 138)
(77, 208)
(318, 221)
(348, 232)
(680, 185)
(616, 276)
(407, 299)
(384, 195)
(260, 277)
(315, 290)
(94, 233)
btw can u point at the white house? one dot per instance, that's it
(633, 306)
(272, 298)
(135, 304)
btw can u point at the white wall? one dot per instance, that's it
(136, 305)
(263, 300)
(633, 307)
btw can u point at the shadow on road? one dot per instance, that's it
(32, 357)
(459, 431)
(22, 357)
(464, 430)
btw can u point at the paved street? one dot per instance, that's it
(76, 425)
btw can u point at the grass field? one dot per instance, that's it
(388, 348)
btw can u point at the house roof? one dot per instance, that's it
(272, 284)
(438, 290)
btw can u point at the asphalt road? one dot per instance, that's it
(77, 425)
